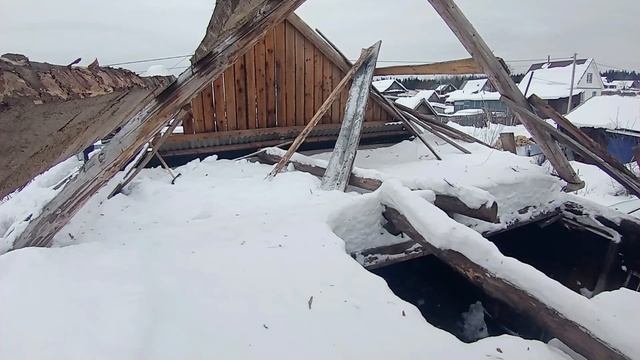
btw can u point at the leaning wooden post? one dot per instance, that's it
(366, 53)
(339, 168)
(499, 77)
(508, 141)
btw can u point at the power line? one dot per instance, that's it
(149, 60)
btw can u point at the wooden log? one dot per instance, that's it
(508, 141)
(499, 77)
(49, 113)
(446, 203)
(318, 116)
(248, 27)
(344, 154)
(544, 315)
(630, 183)
(452, 67)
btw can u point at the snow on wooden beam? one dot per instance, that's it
(242, 30)
(491, 66)
(569, 332)
(448, 204)
(49, 113)
(341, 163)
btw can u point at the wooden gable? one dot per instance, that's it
(280, 82)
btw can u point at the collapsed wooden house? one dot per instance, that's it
(261, 77)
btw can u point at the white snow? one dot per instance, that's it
(410, 102)
(608, 112)
(156, 70)
(384, 85)
(223, 264)
(553, 82)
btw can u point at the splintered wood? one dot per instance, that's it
(242, 30)
(341, 162)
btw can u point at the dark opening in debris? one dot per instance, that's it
(448, 301)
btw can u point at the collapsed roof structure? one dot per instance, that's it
(241, 32)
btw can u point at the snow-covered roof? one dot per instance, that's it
(384, 85)
(411, 102)
(608, 112)
(553, 80)
(471, 86)
(469, 112)
(460, 95)
(156, 70)
(444, 86)
(623, 84)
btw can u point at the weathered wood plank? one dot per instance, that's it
(280, 61)
(300, 91)
(208, 111)
(198, 113)
(318, 81)
(290, 74)
(270, 65)
(570, 333)
(451, 67)
(337, 105)
(250, 65)
(261, 83)
(240, 73)
(499, 77)
(309, 83)
(341, 162)
(230, 98)
(244, 30)
(328, 86)
(218, 98)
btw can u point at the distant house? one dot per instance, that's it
(478, 94)
(419, 102)
(551, 81)
(441, 108)
(444, 89)
(389, 87)
(612, 121)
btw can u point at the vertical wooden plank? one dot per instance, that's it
(343, 103)
(300, 92)
(290, 74)
(250, 61)
(281, 111)
(261, 79)
(309, 83)
(317, 80)
(207, 109)
(198, 116)
(187, 125)
(270, 66)
(241, 93)
(230, 98)
(218, 100)
(327, 79)
(368, 114)
(335, 109)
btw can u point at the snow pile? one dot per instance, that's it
(223, 264)
(608, 112)
(157, 70)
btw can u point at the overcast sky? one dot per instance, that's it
(124, 30)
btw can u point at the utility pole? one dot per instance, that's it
(573, 77)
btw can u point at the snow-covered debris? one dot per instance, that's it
(608, 112)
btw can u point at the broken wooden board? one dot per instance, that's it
(569, 332)
(452, 67)
(344, 154)
(491, 66)
(49, 113)
(448, 204)
(243, 33)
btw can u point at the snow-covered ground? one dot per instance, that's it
(226, 264)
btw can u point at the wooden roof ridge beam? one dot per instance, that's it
(491, 66)
(337, 91)
(452, 67)
(243, 32)
(343, 156)
(447, 203)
